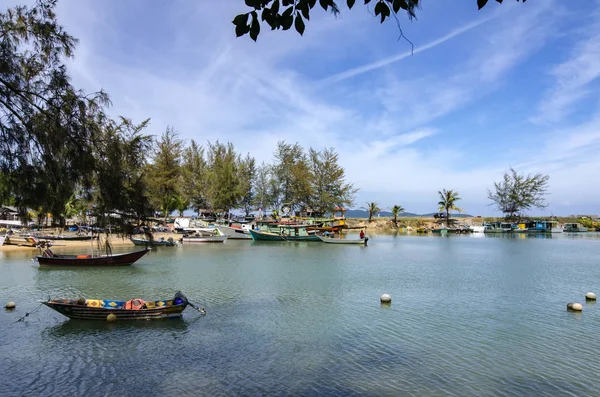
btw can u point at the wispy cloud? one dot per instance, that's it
(389, 60)
(396, 130)
(573, 78)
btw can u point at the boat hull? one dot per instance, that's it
(146, 243)
(265, 236)
(21, 241)
(99, 309)
(80, 312)
(302, 238)
(234, 233)
(328, 240)
(105, 260)
(204, 239)
(63, 238)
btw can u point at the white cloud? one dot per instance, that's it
(573, 77)
(212, 86)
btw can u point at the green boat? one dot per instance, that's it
(297, 233)
(258, 235)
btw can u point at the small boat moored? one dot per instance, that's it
(258, 235)
(134, 309)
(49, 258)
(234, 232)
(170, 242)
(575, 228)
(330, 240)
(204, 239)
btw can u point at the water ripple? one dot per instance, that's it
(469, 317)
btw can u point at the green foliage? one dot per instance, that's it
(46, 124)
(119, 183)
(330, 189)
(373, 209)
(5, 194)
(587, 223)
(282, 14)
(194, 174)
(247, 177)
(287, 182)
(448, 199)
(314, 182)
(396, 210)
(301, 183)
(61, 154)
(164, 174)
(223, 180)
(76, 207)
(263, 188)
(518, 192)
(181, 204)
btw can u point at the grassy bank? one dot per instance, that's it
(411, 224)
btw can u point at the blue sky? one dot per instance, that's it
(510, 85)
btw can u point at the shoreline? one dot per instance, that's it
(378, 225)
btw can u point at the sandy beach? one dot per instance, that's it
(115, 240)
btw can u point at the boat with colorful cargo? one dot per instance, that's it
(112, 310)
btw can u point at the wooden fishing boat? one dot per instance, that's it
(203, 235)
(359, 241)
(258, 235)
(61, 237)
(236, 233)
(575, 228)
(135, 309)
(48, 258)
(26, 241)
(170, 242)
(286, 233)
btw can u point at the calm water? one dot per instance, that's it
(471, 316)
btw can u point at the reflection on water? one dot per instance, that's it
(84, 328)
(470, 316)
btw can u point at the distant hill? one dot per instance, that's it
(365, 214)
(452, 215)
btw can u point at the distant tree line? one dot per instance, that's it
(218, 178)
(60, 152)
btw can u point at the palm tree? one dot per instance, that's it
(447, 202)
(75, 207)
(168, 205)
(373, 209)
(397, 209)
(181, 204)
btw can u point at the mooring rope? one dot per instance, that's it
(27, 314)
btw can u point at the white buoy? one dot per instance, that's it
(10, 305)
(590, 296)
(111, 317)
(574, 307)
(386, 298)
